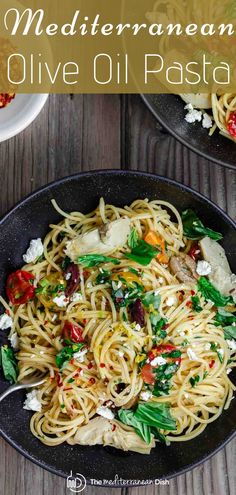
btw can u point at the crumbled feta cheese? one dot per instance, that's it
(31, 402)
(207, 121)
(228, 371)
(61, 301)
(191, 355)
(41, 352)
(77, 296)
(116, 285)
(79, 356)
(33, 252)
(121, 354)
(182, 334)
(54, 317)
(203, 268)
(105, 412)
(32, 356)
(207, 346)
(189, 107)
(81, 372)
(231, 344)
(159, 360)
(160, 280)
(146, 395)
(14, 339)
(193, 116)
(186, 395)
(171, 301)
(89, 285)
(68, 276)
(137, 327)
(5, 322)
(221, 352)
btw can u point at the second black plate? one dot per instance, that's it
(169, 111)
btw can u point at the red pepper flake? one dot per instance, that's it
(72, 361)
(69, 388)
(53, 336)
(113, 427)
(90, 365)
(191, 317)
(181, 297)
(8, 312)
(189, 304)
(211, 364)
(111, 367)
(46, 322)
(85, 274)
(166, 326)
(102, 365)
(193, 292)
(92, 381)
(58, 379)
(85, 321)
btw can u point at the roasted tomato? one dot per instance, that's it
(148, 371)
(72, 332)
(19, 287)
(147, 374)
(231, 126)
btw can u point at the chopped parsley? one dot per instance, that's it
(196, 304)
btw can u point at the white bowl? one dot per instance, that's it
(20, 113)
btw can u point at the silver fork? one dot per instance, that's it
(23, 384)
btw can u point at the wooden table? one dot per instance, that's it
(75, 133)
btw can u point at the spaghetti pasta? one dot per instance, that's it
(100, 327)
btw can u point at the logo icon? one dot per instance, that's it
(77, 483)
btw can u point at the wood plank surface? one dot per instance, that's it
(75, 133)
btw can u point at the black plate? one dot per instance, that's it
(169, 111)
(30, 219)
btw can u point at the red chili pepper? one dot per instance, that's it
(189, 304)
(92, 381)
(19, 287)
(102, 365)
(193, 292)
(231, 126)
(90, 365)
(195, 251)
(58, 379)
(72, 332)
(211, 364)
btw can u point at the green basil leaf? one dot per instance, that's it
(142, 253)
(90, 260)
(9, 364)
(196, 304)
(127, 416)
(211, 293)
(194, 228)
(155, 414)
(42, 286)
(150, 299)
(230, 332)
(66, 354)
(133, 239)
(224, 318)
(194, 380)
(103, 277)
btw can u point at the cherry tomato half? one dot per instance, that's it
(147, 374)
(72, 332)
(19, 287)
(195, 251)
(231, 126)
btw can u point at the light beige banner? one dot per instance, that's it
(117, 46)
